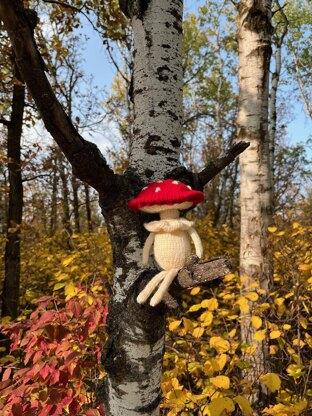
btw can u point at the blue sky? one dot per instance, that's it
(98, 64)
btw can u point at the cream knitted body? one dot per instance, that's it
(171, 242)
(171, 238)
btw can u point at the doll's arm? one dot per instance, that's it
(197, 242)
(147, 248)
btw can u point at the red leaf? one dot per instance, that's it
(101, 409)
(37, 356)
(46, 317)
(46, 410)
(74, 408)
(17, 409)
(44, 372)
(92, 412)
(70, 357)
(4, 384)
(6, 374)
(55, 376)
(75, 308)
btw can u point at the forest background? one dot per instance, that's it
(65, 261)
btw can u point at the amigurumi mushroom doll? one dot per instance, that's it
(170, 236)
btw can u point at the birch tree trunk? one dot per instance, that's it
(254, 40)
(275, 79)
(134, 361)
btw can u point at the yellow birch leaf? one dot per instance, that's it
(208, 368)
(195, 291)
(286, 327)
(221, 406)
(70, 290)
(177, 398)
(188, 324)
(243, 304)
(253, 296)
(219, 362)
(195, 308)
(90, 300)
(219, 344)
(305, 267)
(256, 322)
(68, 260)
(221, 382)
(295, 370)
(206, 318)
(273, 349)
(278, 410)
(198, 332)
(210, 304)
(58, 286)
(272, 229)
(174, 325)
(244, 405)
(272, 381)
(260, 335)
(232, 333)
(275, 334)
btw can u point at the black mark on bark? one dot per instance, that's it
(173, 115)
(175, 142)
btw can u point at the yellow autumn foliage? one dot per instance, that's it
(204, 363)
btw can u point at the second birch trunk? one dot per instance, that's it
(254, 38)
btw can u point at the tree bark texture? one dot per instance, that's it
(278, 41)
(75, 186)
(88, 208)
(254, 39)
(53, 215)
(133, 354)
(65, 197)
(157, 87)
(133, 360)
(10, 292)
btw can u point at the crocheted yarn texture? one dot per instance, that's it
(170, 236)
(167, 192)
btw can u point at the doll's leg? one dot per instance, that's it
(150, 287)
(164, 286)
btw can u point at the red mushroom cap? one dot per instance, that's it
(167, 192)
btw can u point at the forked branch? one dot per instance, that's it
(88, 163)
(219, 164)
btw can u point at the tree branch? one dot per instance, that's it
(198, 273)
(219, 164)
(88, 163)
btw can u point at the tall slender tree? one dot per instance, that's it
(10, 292)
(254, 41)
(133, 354)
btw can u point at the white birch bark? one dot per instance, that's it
(157, 88)
(254, 40)
(134, 360)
